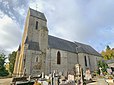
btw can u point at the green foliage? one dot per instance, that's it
(3, 71)
(108, 53)
(103, 65)
(12, 58)
(2, 60)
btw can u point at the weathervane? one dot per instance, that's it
(36, 6)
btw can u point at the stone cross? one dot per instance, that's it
(43, 75)
(78, 74)
(101, 73)
(36, 7)
(29, 78)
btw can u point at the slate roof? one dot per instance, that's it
(83, 48)
(61, 44)
(75, 47)
(57, 43)
(32, 45)
(37, 14)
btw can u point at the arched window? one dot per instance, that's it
(85, 60)
(58, 58)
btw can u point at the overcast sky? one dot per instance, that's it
(86, 21)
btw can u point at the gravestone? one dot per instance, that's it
(56, 81)
(78, 74)
(101, 73)
(45, 83)
(88, 74)
(70, 77)
(109, 70)
(43, 75)
(60, 73)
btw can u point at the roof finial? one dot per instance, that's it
(36, 6)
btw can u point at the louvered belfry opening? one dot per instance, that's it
(36, 25)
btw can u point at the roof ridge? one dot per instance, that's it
(82, 43)
(36, 10)
(61, 39)
(37, 14)
(70, 41)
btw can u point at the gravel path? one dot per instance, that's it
(5, 81)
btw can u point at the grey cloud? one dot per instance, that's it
(10, 40)
(10, 35)
(12, 8)
(84, 21)
(10, 32)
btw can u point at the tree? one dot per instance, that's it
(12, 58)
(3, 71)
(103, 65)
(108, 47)
(108, 53)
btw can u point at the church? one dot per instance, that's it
(40, 52)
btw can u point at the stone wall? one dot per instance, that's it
(32, 66)
(33, 33)
(72, 60)
(62, 67)
(91, 61)
(68, 60)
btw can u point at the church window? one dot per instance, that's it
(36, 25)
(85, 60)
(58, 58)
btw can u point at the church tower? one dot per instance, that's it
(37, 29)
(37, 22)
(34, 44)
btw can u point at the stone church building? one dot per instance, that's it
(40, 52)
